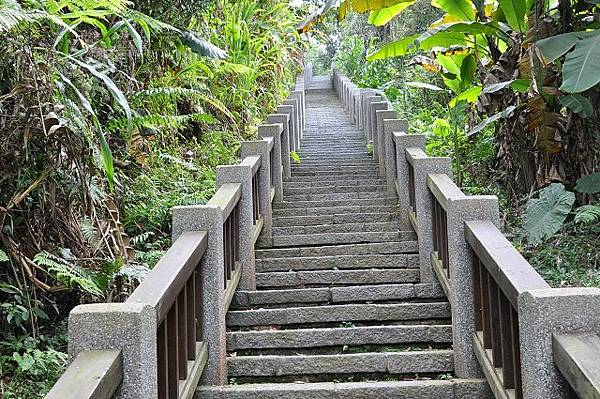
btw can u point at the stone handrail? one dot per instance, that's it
(505, 316)
(170, 334)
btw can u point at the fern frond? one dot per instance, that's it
(67, 274)
(158, 122)
(3, 256)
(11, 15)
(587, 214)
(142, 239)
(89, 232)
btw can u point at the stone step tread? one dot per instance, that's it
(394, 247)
(415, 362)
(416, 389)
(335, 219)
(336, 277)
(367, 202)
(334, 177)
(414, 311)
(326, 337)
(335, 196)
(333, 210)
(334, 183)
(391, 226)
(308, 190)
(340, 238)
(338, 262)
(330, 295)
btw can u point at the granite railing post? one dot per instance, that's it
(389, 127)
(283, 119)
(289, 111)
(404, 141)
(368, 119)
(459, 211)
(423, 166)
(355, 105)
(129, 327)
(242, 174)
(261, 147)
(381, 116)
(209, 218)
(299, 97)
(295, 121)
(362, 114)
(374, 107)
(543, 313)
(275, 132)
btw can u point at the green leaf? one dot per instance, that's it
(587, 214)
(501, 115)
(295, 157)
(581, 70)
(116, 93)
(519, 85)
(545, 215)
(468, 67)
(136, 37)
(589, 184)
(105, 152)
(426, 86)
(394, 49)
(202, 47)
(385, 15)
(515, 11)
(554, 47)
(3, 256)
(470, 96)
(579, 104)
(458, 8)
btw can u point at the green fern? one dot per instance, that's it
(68, 274)
(142, 239)
(587, 214)
(3, 256)
(159, 122)
(89, 232)
(11, 15)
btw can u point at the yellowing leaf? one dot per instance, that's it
(385, 15)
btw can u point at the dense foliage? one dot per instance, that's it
(509, 90)
(111, 113)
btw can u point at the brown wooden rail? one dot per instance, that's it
(173, 288)
(500, 275)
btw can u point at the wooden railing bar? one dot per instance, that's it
(92, 375)
(443, 189)
(576, 356)
(226, 198)
(161, 287)
(508, 268)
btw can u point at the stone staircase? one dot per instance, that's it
(339, 310)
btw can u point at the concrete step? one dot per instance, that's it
(417, 389)
(335, 219)
(331, 295)
(318, 278)
(336, 203)
(369, 172)
(333, 314)
(397, 247)
(333, 184)
(393, 226)
(309, 190)
(363, 161)
(327, 337)
(333, 210)
(334, 177)
(343, 262)
(417, 362)
(340, 238)
(344, 196)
